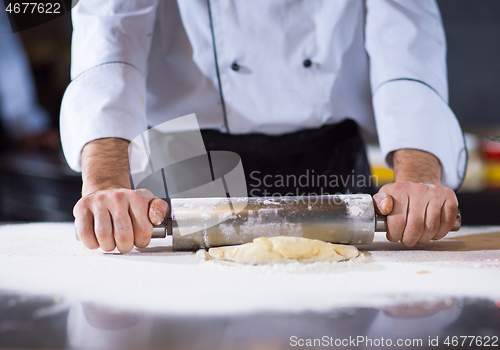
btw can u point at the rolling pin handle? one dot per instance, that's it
(458, 222)
(161, 231)
(381, 222)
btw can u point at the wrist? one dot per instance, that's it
(88, 189)
(411, 165)
(105, 165)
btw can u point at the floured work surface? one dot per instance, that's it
(46, 259)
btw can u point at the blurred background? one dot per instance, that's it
(37, 185)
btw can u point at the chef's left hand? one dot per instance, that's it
(416, 212)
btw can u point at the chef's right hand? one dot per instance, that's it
(118, 218)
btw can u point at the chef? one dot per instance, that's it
(285, 84)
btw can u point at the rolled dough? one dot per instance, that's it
(265, 250)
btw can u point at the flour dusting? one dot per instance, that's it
(45, 259)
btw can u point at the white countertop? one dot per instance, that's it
(46, 259)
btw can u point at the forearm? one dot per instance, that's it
(413, 165)
(105, 165)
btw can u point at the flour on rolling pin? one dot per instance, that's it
(213, 222)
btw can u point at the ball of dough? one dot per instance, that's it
(265, 250)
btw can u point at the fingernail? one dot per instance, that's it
(409, 245)
(156, 216)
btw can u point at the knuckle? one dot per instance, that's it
(100, 197)
(433, 226)
(414, 229)
(399, 186)
(449, 214)
(397, 224)
(449, 191)
(102, 233)
(85, 201)
(80, 206)
(137, 196)
(144, 231)
(144, 193)
(117, 196)
(84, 230)
(123, 235)
(395, 230)
(103, 228)
(450, 196)
(433, 221)
(411, 231)
(384, 189)
(420, 189)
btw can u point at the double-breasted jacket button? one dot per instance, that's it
(235, 66)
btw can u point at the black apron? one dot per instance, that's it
(328, 160)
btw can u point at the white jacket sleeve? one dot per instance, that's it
(107, 95)
(407, 48)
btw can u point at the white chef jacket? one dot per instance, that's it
(379, 62)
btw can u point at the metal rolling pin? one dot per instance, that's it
(209, 222)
